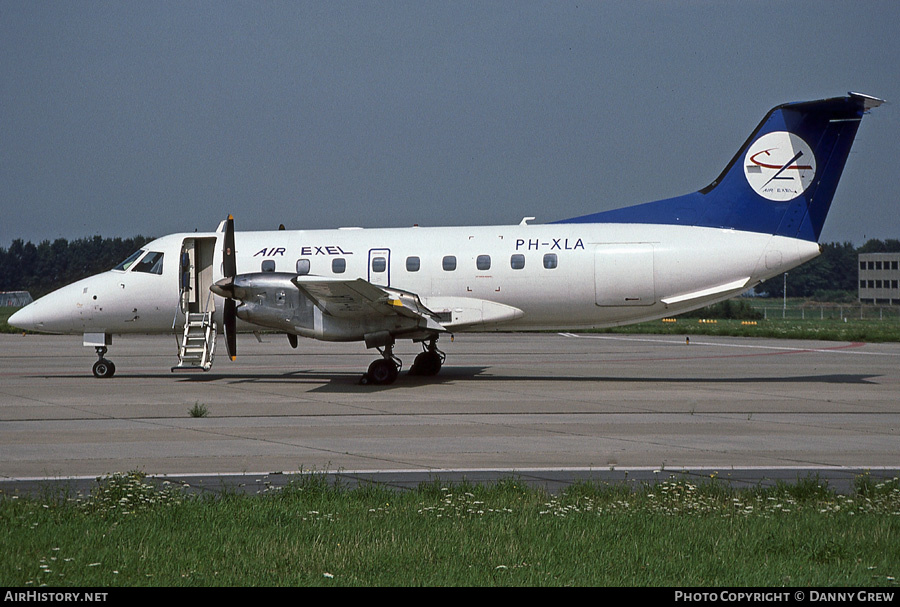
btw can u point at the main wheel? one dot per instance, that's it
(382, 372)
(104, 368)
(427, 363)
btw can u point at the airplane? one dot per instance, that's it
(760, 217)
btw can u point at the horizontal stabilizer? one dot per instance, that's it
(730, 288)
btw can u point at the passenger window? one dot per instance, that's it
(268, 265)
(517, 261)
(302, 266)
(550, 260)
(412, 264)
(483, 262)
(338, 265)
(379, 264)
(152, 263)
(449, 263)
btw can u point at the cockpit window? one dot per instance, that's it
(127, 263)
(152, 263)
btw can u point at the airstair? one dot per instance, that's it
(198, 343)
(196, 306)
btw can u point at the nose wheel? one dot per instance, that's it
(103, 368)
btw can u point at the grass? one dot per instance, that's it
(800, 319)
(872, 331)
(198, 410)
(128, 532)
(5, 313)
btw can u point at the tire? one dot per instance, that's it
(382, 372)
(426, 364)
(104, 368)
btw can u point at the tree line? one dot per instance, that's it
(44, 267)
(832, 276)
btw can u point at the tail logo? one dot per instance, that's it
(779, 166)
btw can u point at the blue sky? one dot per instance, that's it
(126, 118)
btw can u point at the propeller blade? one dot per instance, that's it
(229, 265)
(230, 319)
(225, 288)
(292, 339)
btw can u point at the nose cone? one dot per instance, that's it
(58, 312)
(24, 318)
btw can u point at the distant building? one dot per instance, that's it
(15, 299)
(879, 278)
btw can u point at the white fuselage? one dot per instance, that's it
(552, 276)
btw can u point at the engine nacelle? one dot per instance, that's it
(270, 299)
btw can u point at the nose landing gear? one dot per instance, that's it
(103, 368)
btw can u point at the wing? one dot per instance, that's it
(358, 298)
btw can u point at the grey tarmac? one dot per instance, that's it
(550, 408)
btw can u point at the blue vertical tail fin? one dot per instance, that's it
(781, 181)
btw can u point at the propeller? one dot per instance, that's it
(225, 288)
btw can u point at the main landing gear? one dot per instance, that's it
(385, 370)
(103, 368)
(429, 361)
